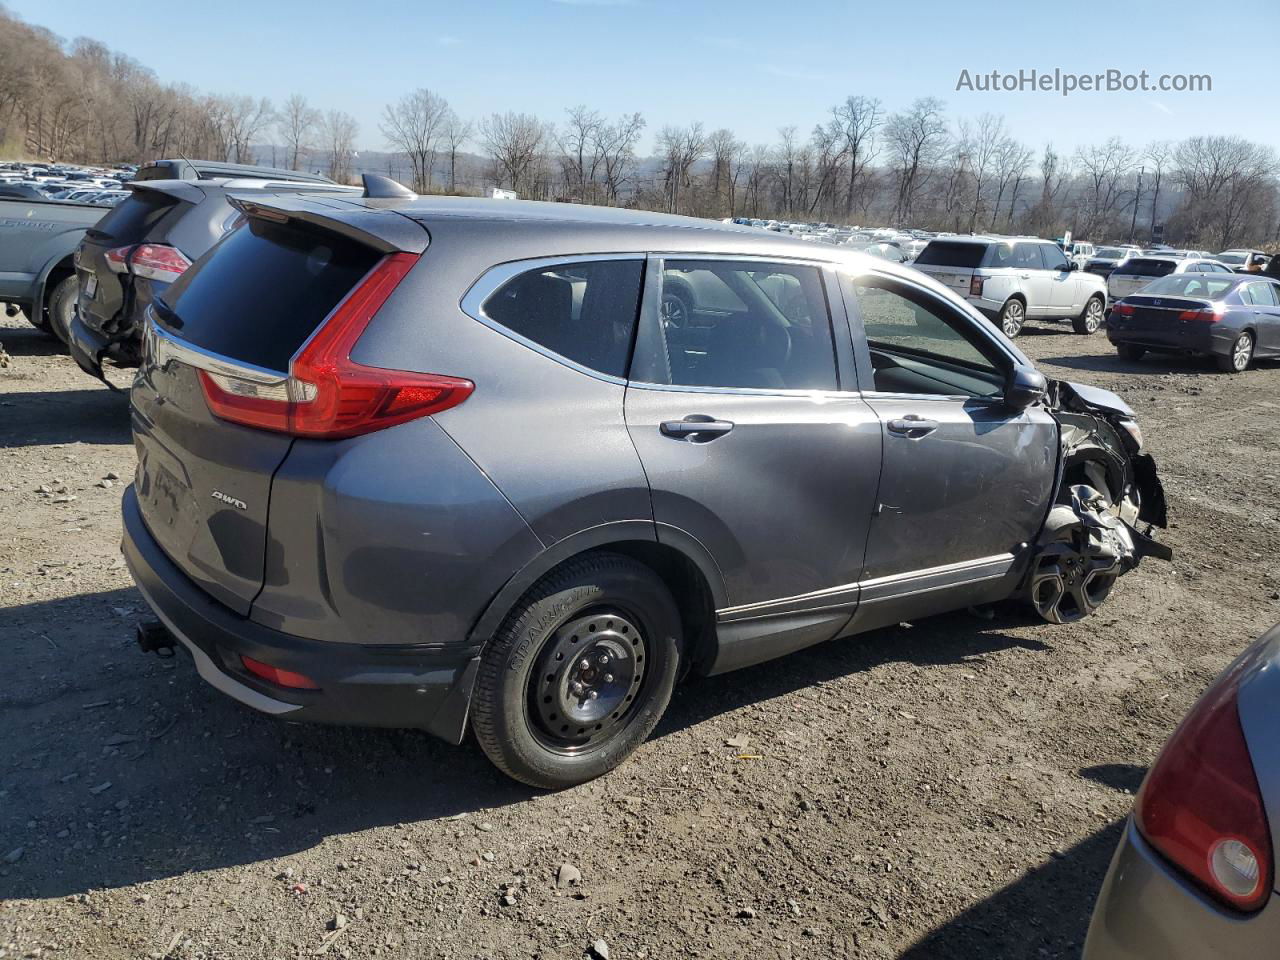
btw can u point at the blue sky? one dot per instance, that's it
(751, 66)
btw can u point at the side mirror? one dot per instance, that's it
(1072, 265)
(1026, 386)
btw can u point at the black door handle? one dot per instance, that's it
(697, 428)
(912, 426)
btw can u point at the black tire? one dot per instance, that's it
(540, 716)
(1241, 355)
(1131, 352)
(1012, 316)
(62, 305)
(1090, 318)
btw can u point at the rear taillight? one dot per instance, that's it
(975, 286)
(1200, 805)
(1122, 309)
(155, 261)
(327, 394)
(1207, 315)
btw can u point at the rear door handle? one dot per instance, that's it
(696, 427)
(912, 427)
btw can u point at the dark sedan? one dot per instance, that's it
(1230, 318)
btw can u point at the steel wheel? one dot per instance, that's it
(1068, 587)
(589, 674)
(1012, 317)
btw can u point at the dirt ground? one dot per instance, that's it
(949, 788)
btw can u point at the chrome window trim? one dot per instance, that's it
(163, 347)
(489, 282)
(877, 589)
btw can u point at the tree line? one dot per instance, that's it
(864, 163)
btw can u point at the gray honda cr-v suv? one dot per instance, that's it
(449, 463)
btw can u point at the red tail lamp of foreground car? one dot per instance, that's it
(1200, 805)
(155, 261)
(330, 396)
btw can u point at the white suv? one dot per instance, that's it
(1014, 279)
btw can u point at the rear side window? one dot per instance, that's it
(1142, 267)
(135, 217)
(585, 312)
(263, 290)
(943, 253)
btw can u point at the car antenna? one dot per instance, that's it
(384, 188)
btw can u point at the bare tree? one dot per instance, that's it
(859, 119)
(581, 151)
(723, 146)
(456, 133)
(1105, 169)
(514, 142)
(414, 125)
(915, 137)
(1157, 157)
(618, 152)
(679, 149)
(244, 118)
(339, 130)
(989, 138)
(297, 123)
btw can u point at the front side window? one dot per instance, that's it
(1053, 258)
(585, 312)
(920, 345)
(738, 324)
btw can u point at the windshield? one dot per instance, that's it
(1231, 257)
(1199, 285)
(1110, 253)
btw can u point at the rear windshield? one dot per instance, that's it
(1140, 267)
(943, 253)
(1200, 285)
(1109, 253)
(1231, 257)
(263, 290)
(133, 219)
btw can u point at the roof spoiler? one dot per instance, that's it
(384, 230)
(384, 188)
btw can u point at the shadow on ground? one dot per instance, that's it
(1044, 913)
(27, 341)
(207, 783)
(92, 415)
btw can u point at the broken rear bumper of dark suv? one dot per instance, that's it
(422, 686)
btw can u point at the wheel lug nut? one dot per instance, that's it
(584, 665)
(608, 678)
(602, 659)
(577, 688)
(592, 695)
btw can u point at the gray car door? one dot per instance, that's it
(756, 443)
(966, 480)
(1265, 296)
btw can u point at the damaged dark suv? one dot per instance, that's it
(516, 468)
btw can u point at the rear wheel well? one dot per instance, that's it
(63, 269)
(688, 586)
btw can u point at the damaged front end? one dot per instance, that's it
(1106, 487)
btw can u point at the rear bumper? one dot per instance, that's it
(1147, 912)
(1200, 340)
(426, 687)
(86, 346)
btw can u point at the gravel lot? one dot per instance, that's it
(950, 788)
